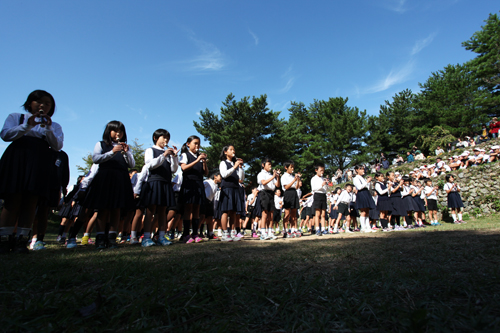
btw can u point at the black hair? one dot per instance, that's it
(318, 165)
(214, 174)
(35, 96)
(132, 170)
(337, 189)
(160, 132)
(278, 189)
(347, 185)
(406, 178)
(448, 177)
(288, 163)
(223, 156)
(388, 173)
(79, 179)
(114, 125)
(265, 160)
(184, 148)
(378, 174)
(425, 180)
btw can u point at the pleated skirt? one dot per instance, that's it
(231, 200)
(110, 189)
(454, 200)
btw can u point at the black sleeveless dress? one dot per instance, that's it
(158, 188)
(111, 187)
(230, 196)
(192, 189)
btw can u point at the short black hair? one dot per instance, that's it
(161, 132)
(348, 185)
(448, 177)
(288, 163)
(214, 174)
(265, 160)
(114, 125)
(35, 96)
(318, 165)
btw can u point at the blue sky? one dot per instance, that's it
(156, 64)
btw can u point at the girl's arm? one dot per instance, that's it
(154, 162)
(99, 157)
(185, 166)
(205, 167)
(12, 130)
(55, 136)
(224, 171)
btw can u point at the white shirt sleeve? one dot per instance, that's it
(241, 173)
(224, 171)
(174, 163)
(99, 157)
(379, 190)
(360, 183)
(87, 180)
(184, 159)
(149, 158)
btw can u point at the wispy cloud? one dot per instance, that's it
(422, 43)
(396, 76)
(255, 38)
(139, 111)
(210, 58)
(398, 6)
(290, 80)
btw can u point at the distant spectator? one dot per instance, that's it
(338, 174)
(449, 148)
(439, 151)
(494, 126)
(495, 151)
(419, 156)
(385, 163)
(472, 143)
(484, 134)
(409, 157)
(459, 143)
(399, 160)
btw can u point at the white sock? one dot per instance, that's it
(147, 235)
(454, 217)
(460, 216)
(88, 235)
(226, 233)
(161, 235)
(133, 234)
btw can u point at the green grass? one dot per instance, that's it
(438, 279)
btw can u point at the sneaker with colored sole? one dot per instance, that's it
(226, 238)
(85, 240)
(38, 246)
(163, 242)
(134, 241)
(254, 235)
(71, 244)
(213, 236)
(147, 242)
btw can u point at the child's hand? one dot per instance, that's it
(239, 162)
(125, 146)
(176, 151)
(202, 157)
(117, 148)
(168, 151)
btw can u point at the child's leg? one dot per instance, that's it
(323, 215)
(317, 217)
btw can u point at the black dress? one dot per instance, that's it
(158, 188)
(111, 187)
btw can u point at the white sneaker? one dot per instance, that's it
(271, 236)
(226, 238)
(348, 231)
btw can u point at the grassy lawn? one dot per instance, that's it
(438, 279)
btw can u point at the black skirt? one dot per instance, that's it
(454, 200)
(398, 207)
(374, 214)
(217, 211)
(419, 202)
(230, 200)
(65, 211)
(110, 189)
(159, 193)
(409, 204)
(291, 199)
(26, 167)
(192, 192)
(77, 209)
(242, 213)
(384, 204)
(364, 200)
(257, 211)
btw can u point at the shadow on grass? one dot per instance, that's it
(409, 281)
